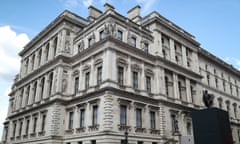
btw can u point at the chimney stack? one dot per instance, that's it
(134, 14)
(93, 13)
(107, 7)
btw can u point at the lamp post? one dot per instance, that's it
(126, 136)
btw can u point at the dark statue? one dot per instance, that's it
(208, 99)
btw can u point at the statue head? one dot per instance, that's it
(208, 99)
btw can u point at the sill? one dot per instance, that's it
(124, 127)
(93, 127)
(154, 131)
(140, 129)
(25, 135)
(80, 129)
(41, 133)
(33, 134)
(69, 131)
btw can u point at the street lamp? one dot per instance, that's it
(126, 136)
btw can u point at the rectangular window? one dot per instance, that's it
(43, 122)
(99, 75)
(95, 115)
(135, 79)
(80, 142)
(27, 126)
(189, 128)
(148, 84)
(133, 41)
(166, 85)
(82, 118)
(174, 123)
(93, 141)
(20, 128)
(145, 47)
(101, 35)
(138, 118)
(180, 89)
(90, 42)
(119, 35)
(76, 84)
(123, 115)
(14, 129)
(140, 142)
(87, 78)
(35, 124)
(70, 120)
(120, 75)
(153, 120)
(47, 52)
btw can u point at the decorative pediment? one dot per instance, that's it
(98, 61)
(121, 61)
(135, 67)
(86, 67)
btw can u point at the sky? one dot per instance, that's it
(214, 23)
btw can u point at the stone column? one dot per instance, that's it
(30, 98)
(195, 64)
(62, 41)
(81, 79)
(142, 81)
(175, 86)
(129, 73)
(157, 80)
(184, 56)
(188, 90)
(58, 83)
(172, 50)
(38, 91)
(43, 58)
(51, 49)
(162, 123)
(93, 76)
(157, 45)
(45, 90)
(108, 115)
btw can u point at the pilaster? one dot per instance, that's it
(184, 56)
(172, 50)
(175, 86)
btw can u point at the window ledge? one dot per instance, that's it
(93, 127)
(154, 131)
(69, 131)
(41, 133)
(140, 129)
(124, 127)
(80, 129)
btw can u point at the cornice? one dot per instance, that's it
(65, 16)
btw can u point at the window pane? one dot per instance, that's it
(123, 115)
(139, 118)
(99, 75)
(82, 118)
(120, 75)
(95, 115)
(153, 121)
(70, 124)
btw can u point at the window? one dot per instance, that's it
(43, 122)
(42, 87)
(189, 128)
(95, 115)
(135, 79)
(34, 91)
(35, 124)
(47, 52)
(119, 35)
(216, 82)
(90, 42)
(26, 66)
(101, 35)
(174, 123)
(70, 120)
(87, 75)
(50, 84)
(138, 118)
(235, 110)
(6, 133)
(76, 84)
(39, 57)
(33, 59)
(164, 54)
(154, 142)
(224, 86)
(145, 47)
(120, 75)
(133, 41)
(208, 79)
(99, 75)
(27, 126)
(140, 142)
(93, 141)
(27, 95)
(231, 90)
(148, 84)
(123, 115)
(20, 128)
(80, 142)
(179, 89)
(153, 120)
(166, 85)
(55, 46)
(14, 129)
(220, 103)
(82, 118)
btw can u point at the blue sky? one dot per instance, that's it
(214, 23)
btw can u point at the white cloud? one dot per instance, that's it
(233, 61)
(87, 3)
(10, 46)
(71, 4)
(147, 4)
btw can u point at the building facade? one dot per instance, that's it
(88, 81)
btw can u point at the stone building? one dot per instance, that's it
(88, 81)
